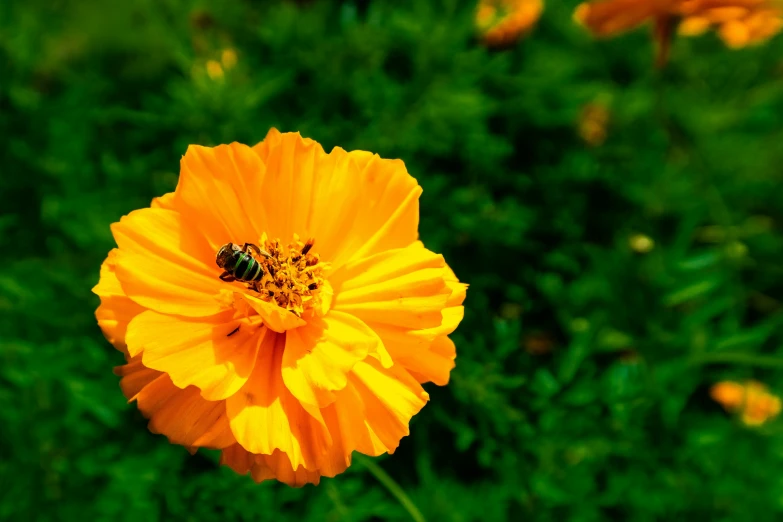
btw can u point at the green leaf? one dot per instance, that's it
(692, 291)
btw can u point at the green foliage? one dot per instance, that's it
(98, 103)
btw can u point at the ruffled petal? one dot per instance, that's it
(319, 356)
(116, 309)
(409, 271)
(273, 137)
(265, 467)
(405, 288)
(308, 189)
(388, 213)
(427, 353)
(135, 376)
(221, 189)
(333, 209)
(216, 356)
(287, 192)
(305, 189)
(384, 266)
(435, 364)
(166, 201)
(373, 412)
(265, 416)
(183, 416)
(160, 267)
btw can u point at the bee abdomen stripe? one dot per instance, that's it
(242, 265)
(257, 274)
(251, 264)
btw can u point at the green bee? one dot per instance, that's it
(239, 264)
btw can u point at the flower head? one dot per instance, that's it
(752, 400)
(278, 306)
(739, 22)
(503, 22)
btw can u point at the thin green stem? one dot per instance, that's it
(748, 359)
(334, 496)
(394, 488)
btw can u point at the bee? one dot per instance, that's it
(239, 263)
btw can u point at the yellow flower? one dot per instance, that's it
(214, 69)
(287, 355)
(641, 243)
(751, 400)
(503, 22)
(739, 22)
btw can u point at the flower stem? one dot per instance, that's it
(394, 488)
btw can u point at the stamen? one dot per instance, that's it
(292, 276)
(308, 246)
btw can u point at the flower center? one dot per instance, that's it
(293, 275)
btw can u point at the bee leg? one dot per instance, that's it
(228, 278)
(260, 251)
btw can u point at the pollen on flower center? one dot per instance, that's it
(293, 275)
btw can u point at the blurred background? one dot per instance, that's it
(619, 226)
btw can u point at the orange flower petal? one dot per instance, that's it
(287, 191)
(275, 318)
(405, 312)
(166, 201)
(181, 415)
(373, 412)
(611, 17)
(262, 148)
(303, 186)
(458, 290)
(319, 356)
(220, 188)
(389, 215)
(385, 265)
(116, 309)
(198, 353)
(409, 299)
(335, 171)
(160, 268)
(726, 13)
(391, 399)
(265, 467)
(278, 466)
(264, 416)
(430, 359)
(427, 352)
(135, 376)
(735, 34)
(436, 364)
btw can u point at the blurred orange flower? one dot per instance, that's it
(299, 353)
(739, 22)
(751, 400)
(503, 22)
